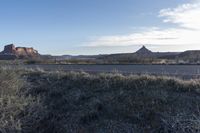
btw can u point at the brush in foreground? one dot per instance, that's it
(59, 102)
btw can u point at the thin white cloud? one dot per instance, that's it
(186, 17)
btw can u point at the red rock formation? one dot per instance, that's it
(9, 49)
(19, 52)
(26, 52)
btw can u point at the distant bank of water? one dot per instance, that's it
(172, 70)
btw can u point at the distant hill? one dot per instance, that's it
(12, 52)
(144, 52)
(166, 55)
(190, 56)
(143, 55)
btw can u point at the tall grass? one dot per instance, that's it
(70, 102)
(11, 103)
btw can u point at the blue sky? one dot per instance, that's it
(97, 26)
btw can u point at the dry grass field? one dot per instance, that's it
(35, 101)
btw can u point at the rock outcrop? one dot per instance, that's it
(144, 52)
(12, 52)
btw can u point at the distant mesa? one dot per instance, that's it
(12, 52)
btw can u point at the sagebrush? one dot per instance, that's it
(78, 102)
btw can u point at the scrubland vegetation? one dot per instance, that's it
(35, 101)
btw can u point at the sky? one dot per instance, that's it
(86, 27)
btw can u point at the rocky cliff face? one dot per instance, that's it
(10, 52)
(9, 49)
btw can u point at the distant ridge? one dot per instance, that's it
(190, 54)
(146, 56)
(141, 56)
